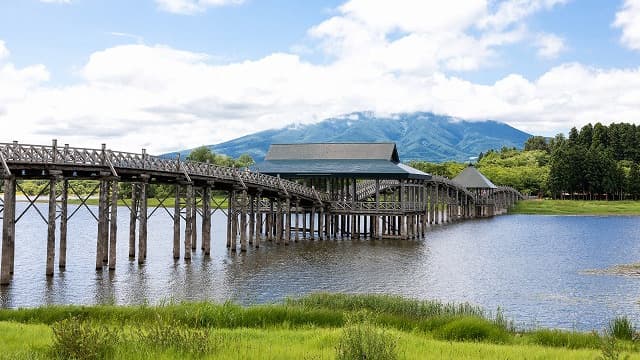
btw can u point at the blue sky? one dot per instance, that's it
(191, 72)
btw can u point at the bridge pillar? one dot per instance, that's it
(278, 222)
(113, 222)
(320, 223)
(142, 229)
(8, 230)
(229, 218)
(133, 218)
(436, 203)
(296, 213)
(103, 224)
(252, 218)
(176, 221)
(243, 223)
(194, 221)
(304, 224)
(287, 227)
(258, 220)
(312, 216)
(188, 220)
(64, 214)
(206, 219)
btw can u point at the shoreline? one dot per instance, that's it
(577, 207)
(314, 326)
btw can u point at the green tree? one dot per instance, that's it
(633, 181)
(202, 154)
(245, 160)
(536, 143)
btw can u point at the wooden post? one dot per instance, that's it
(252, 219)
(188, 227)
(312, 216)
(320, 223)
(229, 218)
(194, 221)
(113, 221)
(258, 221)
(102, 223)
(133, 218)
(176, 223)
(64, 208)
(304, 224)
(8, 230)
(142, 231)
(287, 219)
(234, 227)
(297, 222)
(206, 220)
(278, 222)
(243, 224)
(51, 222)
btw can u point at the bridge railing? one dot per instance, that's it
(379, 206)
(40, 154)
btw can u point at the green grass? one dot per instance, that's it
(314, 327)
(576, 207)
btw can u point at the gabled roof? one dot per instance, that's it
(471, 178)
(334, 151)
(346, 160)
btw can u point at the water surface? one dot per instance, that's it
(530, 266)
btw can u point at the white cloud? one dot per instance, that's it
(188, 7)
(512, 11)
(163, 98)
(4, 52)
(56, 1)
(549, 45)
(628, 19)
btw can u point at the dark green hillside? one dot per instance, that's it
(419, 136)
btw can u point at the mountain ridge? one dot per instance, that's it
(419, 136)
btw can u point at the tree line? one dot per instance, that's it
(595, 162)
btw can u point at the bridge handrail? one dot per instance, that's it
(65, 155)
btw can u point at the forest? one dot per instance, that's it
(595, 162)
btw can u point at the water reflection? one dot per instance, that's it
(530, 266)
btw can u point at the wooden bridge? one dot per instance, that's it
(260, 207)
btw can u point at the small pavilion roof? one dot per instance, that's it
(471, 178)
(346, 160)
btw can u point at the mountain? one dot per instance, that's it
(419, 136)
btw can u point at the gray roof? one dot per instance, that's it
(471, 178)
(347, 160)
(334, 151)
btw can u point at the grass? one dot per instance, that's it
(576, 207)
(319, 326)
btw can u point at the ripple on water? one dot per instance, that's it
(529, 266)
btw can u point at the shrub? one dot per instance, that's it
(175, 336)
(621, 328)
(362, 340)
(472, 329)
(569, 340)
(80, 340)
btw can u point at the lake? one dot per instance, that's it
(529, 266)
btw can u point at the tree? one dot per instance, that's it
(536, 143)
(202, 154)
(633, 181)
(245, 160)
(585, 136)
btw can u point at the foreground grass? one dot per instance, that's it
(576, 207)
(20, 341)
(313, 327)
